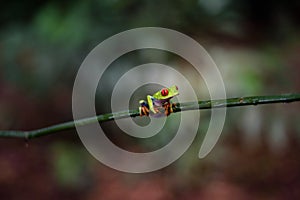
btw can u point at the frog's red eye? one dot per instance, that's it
(164, 92)
(176, 87)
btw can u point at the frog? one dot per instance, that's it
(157, 101)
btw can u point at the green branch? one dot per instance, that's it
(232, 102)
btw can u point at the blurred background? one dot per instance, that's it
(256, 46)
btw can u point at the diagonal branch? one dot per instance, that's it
(209, 104)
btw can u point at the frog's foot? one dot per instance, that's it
(144, 111)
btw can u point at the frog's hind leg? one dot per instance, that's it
(169, 108)
(143, 109)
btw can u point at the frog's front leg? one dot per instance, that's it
(152, 108)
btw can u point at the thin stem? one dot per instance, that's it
(178, 107)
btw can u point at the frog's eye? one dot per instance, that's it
(176, 87)
(164, 92)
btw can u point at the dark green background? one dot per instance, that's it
(255, 44)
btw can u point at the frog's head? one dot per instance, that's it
(167, 93)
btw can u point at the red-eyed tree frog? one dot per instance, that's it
(157, 101)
